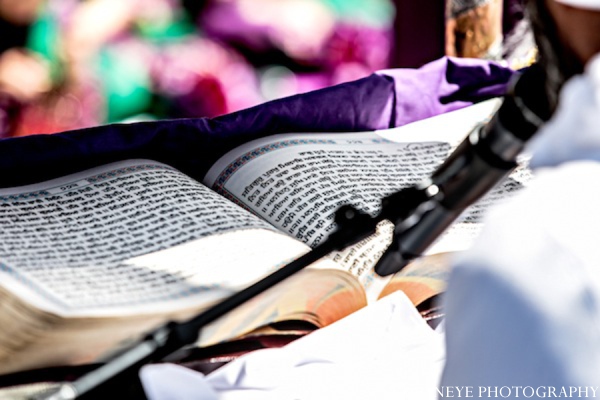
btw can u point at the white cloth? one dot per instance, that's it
(523, 306)
(573, 134)
(384, 351)
(587, 4)
(173, 382)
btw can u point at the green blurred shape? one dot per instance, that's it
(43, 39)
(175, 30)
(126, 84)
(371, 12)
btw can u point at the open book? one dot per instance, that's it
(90, 260)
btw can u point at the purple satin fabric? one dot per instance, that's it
(444, 85)
(383, 100)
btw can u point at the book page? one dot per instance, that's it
(88, 243)
(421, 279)
(297, 182)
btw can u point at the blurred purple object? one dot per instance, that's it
(204, 78)
(223, 21)
(351, 52)
(332, 44)
(358, 44)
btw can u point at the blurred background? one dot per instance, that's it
(69, 64)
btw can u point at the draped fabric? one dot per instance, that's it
(383, 100)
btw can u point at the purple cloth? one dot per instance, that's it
(387, 99)
(443, 85)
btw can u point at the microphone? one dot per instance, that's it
(422, 212)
